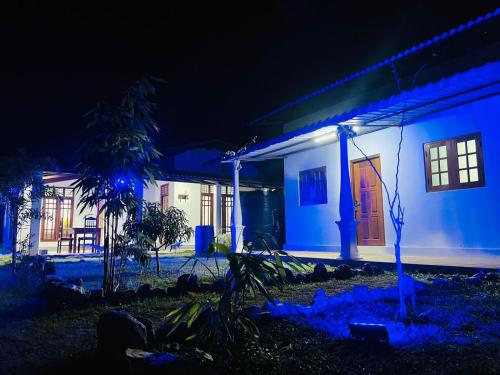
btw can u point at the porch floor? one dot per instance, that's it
(485, 261)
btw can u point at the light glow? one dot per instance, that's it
(326, 138)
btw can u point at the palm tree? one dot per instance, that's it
(117, 157)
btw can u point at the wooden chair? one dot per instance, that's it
(90, 223)
(64, 238)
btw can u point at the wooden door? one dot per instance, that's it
(368, 199)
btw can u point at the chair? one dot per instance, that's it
(90, 232)
(64, 235)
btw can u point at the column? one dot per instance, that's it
(36, 205)
(347, 224)
(218, 208)
(236, 217)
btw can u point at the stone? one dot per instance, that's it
(188, 283)
(174, 292)
(300, 278)
(320, 273)
(493, 277)
(144, 291)
(158, 293)
(343, 272)
(117, 331)
(456, 278)
(61, 294)
(368, 269)
(289, 276)
(122, 297)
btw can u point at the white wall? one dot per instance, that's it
(460, 220)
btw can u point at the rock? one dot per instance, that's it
(187, 283)
(122, 297)
(174, 292)
(456, 278)
(158, 293)
(144, 291)
(320, 273)
(300, 278)
(290, 277)
(147, 362)
(480, 275)
(149, 327)
(355, 272)
(117, 331)
(343, 272)
(368, 269)
(60, 294)
(493, 277)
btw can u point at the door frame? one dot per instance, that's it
(353, 188)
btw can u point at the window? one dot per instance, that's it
(312, 186)
(57, 212)
(164, 197)
(455, 163)
(227, 208)
(207, 204)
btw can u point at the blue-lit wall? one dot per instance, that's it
(437, 223)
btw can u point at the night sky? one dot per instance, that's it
(224, 64)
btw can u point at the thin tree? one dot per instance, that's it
(396, 210)
(21, 184)
(118, 157)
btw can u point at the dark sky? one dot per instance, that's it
(225, 63)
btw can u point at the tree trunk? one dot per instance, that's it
(399, 265)
(13, 226)
(105, 257)
(157, 263)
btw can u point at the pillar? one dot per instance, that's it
(347, 224)
(36, 205)
(236, 217)
(218, 209)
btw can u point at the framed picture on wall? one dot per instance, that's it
(312, 186)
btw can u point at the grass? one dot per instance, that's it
(63, 340)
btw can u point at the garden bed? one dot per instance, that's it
(65, 341)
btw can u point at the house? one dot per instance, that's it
(193, 181)
(335, 141)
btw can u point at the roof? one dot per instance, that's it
(460, 88)
(468, 45)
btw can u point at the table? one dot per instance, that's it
(84, 231)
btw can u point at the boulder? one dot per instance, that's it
(474, 280)
(187, 283)
(320, 273)
(117, 331)
(300, 278)
(61, 294)
(174, 292)
(144, 291)
(289, 276)
(159, 293)
(368, 269)
(121, 297)
(343, 272)
(151, 363)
